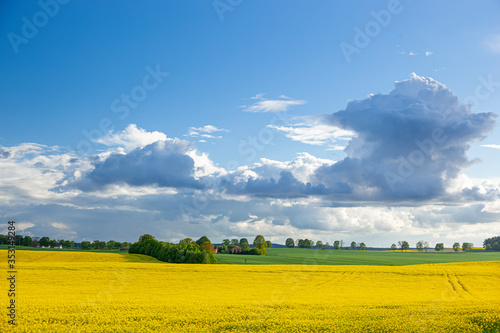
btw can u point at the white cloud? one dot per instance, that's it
(491, 146)
(314, 131)
(272, 105)
(131, 137)
(205, 132)
(428, 53)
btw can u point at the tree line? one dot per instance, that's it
(423, 246)
(260, 246)
(68, 244)
(187, 251)
(492, 244)
(309, 244)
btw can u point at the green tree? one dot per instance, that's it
(202, 240)
(353, 245)
(110, 244)
(393, 247)
(226, 242)
(336, 245)
(53, 243)
(319, 245)
(72, 244)
(403, 245)
(234, 242)
(243, 241)
(439, 247)
(467, 246)
(420, 246)
(85, 245)
(456, 246)
(362, 246)
(327, 245)
(19, 240)
(260, 243)
(269, 244)
(67, 244)
(495, 246)
(289, 243)
(27, 241)
(245, 247)
(186, 241)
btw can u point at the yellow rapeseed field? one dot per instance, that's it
(92, 292)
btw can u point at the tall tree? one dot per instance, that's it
(420, 246)
(456, 246)
(85, 245)
(110, 244)
(403, 245)
(289, 243)
(269, 244)
(203, 239)
(336, 245)
(27, 241)
(226, 242)
(234, 242)
(319, 245)
(393, 247)
(362, 246)
(260, 243)
(353, 245)
(439, 247)
(53, 243)
(243, 240)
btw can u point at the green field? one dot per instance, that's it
(297, 256)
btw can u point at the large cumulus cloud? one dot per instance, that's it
(164, 163)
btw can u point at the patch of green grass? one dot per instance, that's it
(295, 256)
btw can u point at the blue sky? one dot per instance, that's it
(211, 117)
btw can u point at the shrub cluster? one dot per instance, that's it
(189, 253)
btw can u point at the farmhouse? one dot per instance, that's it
(236, 249)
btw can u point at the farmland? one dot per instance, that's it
(106, 292)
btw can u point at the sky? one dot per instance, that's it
(372, 122)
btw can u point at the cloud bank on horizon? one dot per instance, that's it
(406, 149)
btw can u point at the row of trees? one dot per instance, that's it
(102, 245)
(259, 246)
(187, 251)
(422, 246)
(35, 241)
(492, 244)
(309, 244)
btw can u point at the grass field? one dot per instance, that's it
(347, 257)
(109, 292)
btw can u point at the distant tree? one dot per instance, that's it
(243, 240)
(487, 247)
(493, 242)
(341, 244)
(403, 245)
(495, 246)
(85, 245)
(19, 240)
(426, 246)
(394, 247)
(319, 245)
(53, 243)
(467, 246)
(110, 244)
(362, 246)
(186, 241)
(289, 243)
(234, 242)
(203, 239)
(226, 242)
(269, 244)
(125, 245)
(102, 245)
(3, 239)
(336, 245)
(245, 247)
(207, 246)
(353, 245)
(439, 247)
(420, 246)
(44, 241)
(27, 241)
(327, 245)
(95, 245)
(456, 246)
(118, 245)
(260, 243)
